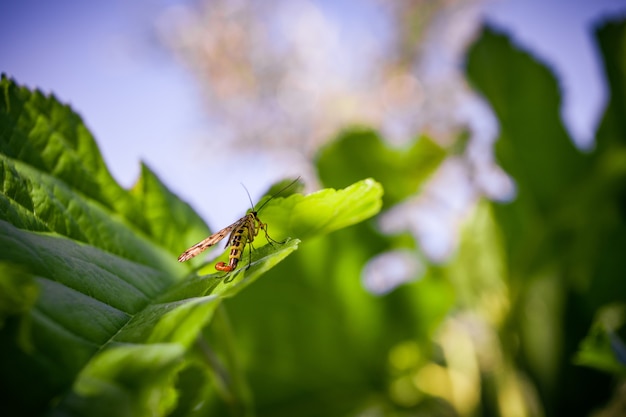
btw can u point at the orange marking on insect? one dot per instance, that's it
(242, 232)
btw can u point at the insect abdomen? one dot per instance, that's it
(237, 244)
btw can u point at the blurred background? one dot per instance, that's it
(474, 290)
(193, 88)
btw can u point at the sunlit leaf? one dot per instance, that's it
(323, 211)
(98, 316)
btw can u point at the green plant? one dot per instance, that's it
(97, 316)
(525, 319)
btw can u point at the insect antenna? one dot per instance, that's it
(275, 194)
(249, 198)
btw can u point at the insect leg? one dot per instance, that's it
(267, 236)
(229, 276)
(249, 255)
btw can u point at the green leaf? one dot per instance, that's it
(98, 315)
(127, 381)
(18, 294)
(315, 340)
(206, 282)
(323, 211)
(564, 233)
(170, 222)
(602, 348)
(612, 42)
(48, 153)
(525, 97)
(324, 334)
(362, 153)
(18, 290)
(533, 148)
(51, 139)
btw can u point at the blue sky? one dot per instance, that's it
(149, 108)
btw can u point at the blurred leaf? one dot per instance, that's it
(362, 153)
(18, 291)
(196, 392)
(283, 188)
(612, 42)
(317, 341)
(564, 231)
(524, 95)
(18, 294)
(533, 146)
(127, 381)
(602, 348)
(478, 269)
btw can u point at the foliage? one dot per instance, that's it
(500, 329)
(563, 235)
(98, 317)
(525, 319)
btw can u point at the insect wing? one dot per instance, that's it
(200, 247)
(250, 222)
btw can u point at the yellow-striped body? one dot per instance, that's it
(238, 240)
(242, 233)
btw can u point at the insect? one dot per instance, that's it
(242, 233)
